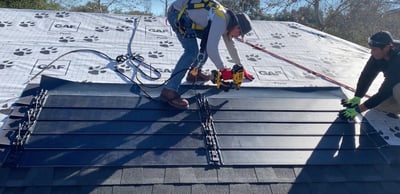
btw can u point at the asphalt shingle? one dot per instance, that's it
(361, 173)
(182, 189)
(364, 187)
(329, 173)
(101, 176)
(329, 188)
(283, 188)
(275, 174)
(249, 189)
(200, 189)
(132, 176)
(95, 189)
(166, 189)
(132, 189)
(237, 175)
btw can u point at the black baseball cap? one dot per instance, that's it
(244, 23)
(380, 39)
(241, 19)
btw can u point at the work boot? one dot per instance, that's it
(174, 99)
(201, 76)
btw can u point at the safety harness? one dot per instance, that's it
(211, 6)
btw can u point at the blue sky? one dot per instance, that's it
(157, 7)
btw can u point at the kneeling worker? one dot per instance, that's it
(385, 58)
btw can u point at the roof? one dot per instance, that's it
(92, 131)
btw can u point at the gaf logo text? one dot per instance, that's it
(64, 27)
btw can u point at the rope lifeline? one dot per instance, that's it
(320, 75)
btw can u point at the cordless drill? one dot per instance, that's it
(220, 78)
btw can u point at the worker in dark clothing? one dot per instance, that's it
(385, 58)
(210, 21)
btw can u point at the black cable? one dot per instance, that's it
(129, 58)
(139, 85)
(67, 53)
(119, 60)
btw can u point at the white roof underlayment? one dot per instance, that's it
(32, 39)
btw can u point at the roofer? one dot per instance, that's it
(209, 21)
(385, 57)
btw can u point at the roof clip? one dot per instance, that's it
(18, 138)
(214, 156)
(210, 141)
(208, 128)
(25, 128)
(31, 116)
(38, 100)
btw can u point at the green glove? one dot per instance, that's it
(350, 113)
(350, 103)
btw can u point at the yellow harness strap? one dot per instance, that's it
(206, 4)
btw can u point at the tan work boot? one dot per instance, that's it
(174, 99)
(201, 76)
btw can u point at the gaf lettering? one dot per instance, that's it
(43, 66)
(64, 26)
(270, 73)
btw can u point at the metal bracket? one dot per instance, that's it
(25, 128)
(209, 131)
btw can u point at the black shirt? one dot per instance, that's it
(391, 72)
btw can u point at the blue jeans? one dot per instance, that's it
(189, 43)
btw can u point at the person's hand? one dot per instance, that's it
(349, 113)
(247, 75)
(350, 103)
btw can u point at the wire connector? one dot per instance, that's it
(121, 59)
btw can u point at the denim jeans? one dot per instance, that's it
(189, 43)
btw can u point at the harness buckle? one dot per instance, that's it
(200, 60)
(200, 57)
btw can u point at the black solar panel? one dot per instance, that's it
(75, 128)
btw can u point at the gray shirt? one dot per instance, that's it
(218, 29)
